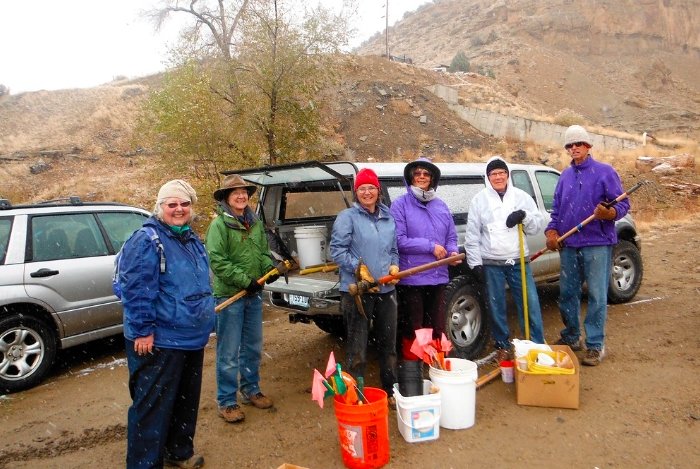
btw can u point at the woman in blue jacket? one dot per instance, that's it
(425, 232)
(366, 232)
(168, 315)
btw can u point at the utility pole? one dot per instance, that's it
(386, 30)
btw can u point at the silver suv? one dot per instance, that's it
(307, 196)
(56, 263)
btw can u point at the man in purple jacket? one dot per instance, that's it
(425, 232)
(586, 256)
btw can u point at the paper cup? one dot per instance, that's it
(507, 371)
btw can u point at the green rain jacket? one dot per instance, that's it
(237, 255)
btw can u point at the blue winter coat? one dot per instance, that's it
(579, 190)
(358, 234)
(176, 306)
(419, 227)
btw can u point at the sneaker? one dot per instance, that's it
(577, 347)
(503, 354)
(593, 357)
(196, 460)
(259, 400)
(232, 413)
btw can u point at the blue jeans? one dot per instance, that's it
(165, 387)
(239, 342)
(380, 308)
(496, 277)
(592, 265)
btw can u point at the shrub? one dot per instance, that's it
(459, 63)
(567, 117)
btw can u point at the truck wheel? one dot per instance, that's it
(626, 273)
(28, 349)
(467, 324)
(332, 324)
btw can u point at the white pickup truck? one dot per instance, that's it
(302, 198)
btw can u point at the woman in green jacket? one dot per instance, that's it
(239, 255)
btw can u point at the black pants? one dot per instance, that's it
(419, 307)
(381, 312)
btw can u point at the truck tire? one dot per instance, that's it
(332, 324)
(28, 349)
(467, 324)
(626, 273)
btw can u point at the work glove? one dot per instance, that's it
(393, 270)
(515, 218)
(366, 276)
(272, 278)
(602, 212)
(478, 272)
(552, 237)
(253, 287)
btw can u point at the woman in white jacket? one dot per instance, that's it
(493, 251)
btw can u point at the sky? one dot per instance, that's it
(59, 44)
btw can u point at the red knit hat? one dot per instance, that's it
(366, 176)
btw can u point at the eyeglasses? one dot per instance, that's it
(367, 189)
(498, 172)
(174, 205)
(420, 172)
(568, 146)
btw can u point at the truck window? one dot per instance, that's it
(310, 203)
(521, 180)
(456, 193)
(547, 180)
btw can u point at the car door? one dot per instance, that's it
(69, 267)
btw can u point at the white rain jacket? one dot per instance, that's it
(488, 240)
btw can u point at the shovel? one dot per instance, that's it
(276, 271)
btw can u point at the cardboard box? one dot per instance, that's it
(549, 390)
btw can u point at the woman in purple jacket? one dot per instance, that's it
(425, 232)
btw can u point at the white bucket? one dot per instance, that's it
(418, 416)
(311, 245)
(458, 389)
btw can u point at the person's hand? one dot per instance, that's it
(602, 212)
(478, 272)
(253, 287)
(143, 345)
(515, 218)
(439, 252)
(552, 240)
(365, 275)
(458, 261)
(393, 270)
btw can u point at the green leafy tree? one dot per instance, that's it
(248, 71)
(460, 62)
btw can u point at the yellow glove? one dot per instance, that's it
(393, 270)
(365, 274)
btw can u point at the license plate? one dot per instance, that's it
(298, 300)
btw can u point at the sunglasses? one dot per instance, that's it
(568, 146)
(174, 205)
(420, 172)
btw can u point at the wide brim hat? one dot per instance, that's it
(422, 162)
(231, 182)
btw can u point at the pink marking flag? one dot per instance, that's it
(423, 337)
(445, 344)
(318, 390)
(330, 367)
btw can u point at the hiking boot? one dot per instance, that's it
(232, 413)
(195, 461)
(259, 400)
(503, 355)
(577, 347)
(593, 357)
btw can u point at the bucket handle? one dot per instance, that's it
(436, 418)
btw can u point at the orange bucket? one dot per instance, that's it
(364, 430)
